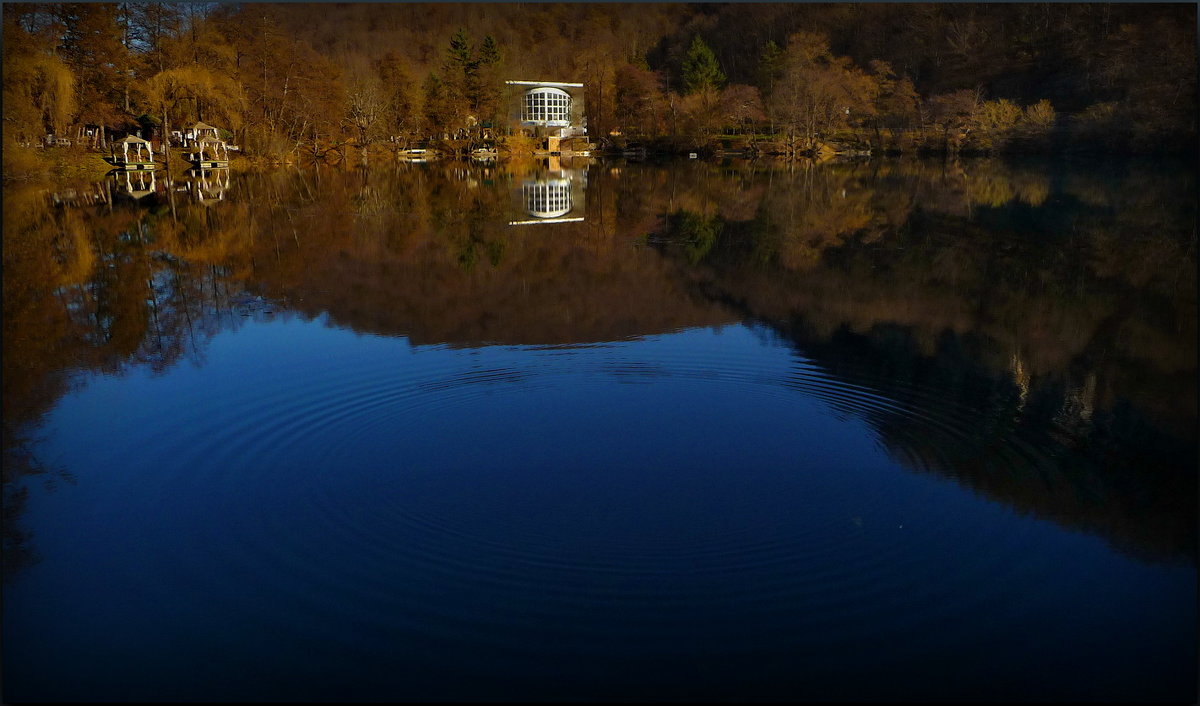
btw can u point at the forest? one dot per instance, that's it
(291, 80)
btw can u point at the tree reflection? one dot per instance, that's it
(1057, 300)
(977, 294)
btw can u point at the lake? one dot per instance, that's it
(588, 430)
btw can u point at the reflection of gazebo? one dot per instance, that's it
(139, 186)
(142, 158)
(208, 185)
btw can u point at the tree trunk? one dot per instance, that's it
(166, 136)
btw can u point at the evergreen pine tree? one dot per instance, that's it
(488, 81)
(770, 68)
(489, 52)
(460, 68)
(700, 68)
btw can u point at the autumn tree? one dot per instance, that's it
(153, 27)
(293, 93)
(639, 100)
(741, 106)
(950, 114)
(818, 92)
(91, 45)
(39, 87)
(896, 100)
(194, 93)
(444, 111)
(1037, 122)
(366, 108)
(401, 117)
(992, 124)
(199, 41)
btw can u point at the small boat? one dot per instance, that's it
(416, 155)
(483, 155)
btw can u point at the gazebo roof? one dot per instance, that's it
(202, 126)
(133, 139)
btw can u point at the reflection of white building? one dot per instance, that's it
(554, 196)
(547, 199)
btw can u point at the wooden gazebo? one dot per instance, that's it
(142, 157)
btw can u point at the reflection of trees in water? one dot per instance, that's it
(99, 289)
(1076, 290)
(21, 464)
(1034, 280)
(1117, 474)
(1063, 350)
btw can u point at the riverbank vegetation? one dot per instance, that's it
(298, 81)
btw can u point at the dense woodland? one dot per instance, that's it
(295, 79)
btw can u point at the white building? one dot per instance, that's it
(548, 108)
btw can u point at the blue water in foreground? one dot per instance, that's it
(315, 514)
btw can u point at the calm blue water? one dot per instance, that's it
(302, 510)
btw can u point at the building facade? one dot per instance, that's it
(547, 108)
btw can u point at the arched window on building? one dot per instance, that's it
(547, 106)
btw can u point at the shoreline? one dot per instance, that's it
(23, 165)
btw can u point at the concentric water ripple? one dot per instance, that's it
(523, 496)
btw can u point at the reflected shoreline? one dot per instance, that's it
(1062, 298)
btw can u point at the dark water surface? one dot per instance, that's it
(876, 431)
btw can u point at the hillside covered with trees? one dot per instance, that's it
(294, 78)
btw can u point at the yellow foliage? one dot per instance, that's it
(997, 116)
(1040, 114)
(20, 162)
(199, 89)
(39, 94)
(73, 251)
